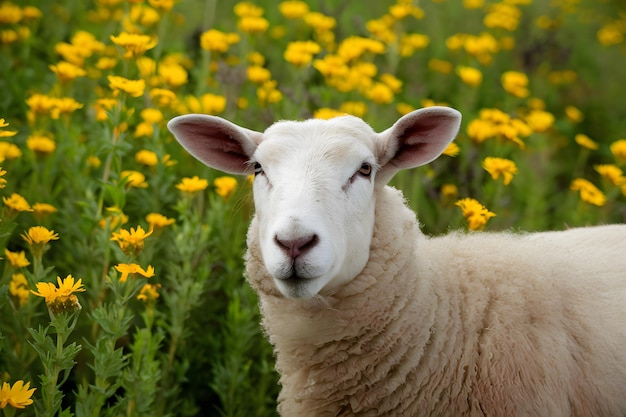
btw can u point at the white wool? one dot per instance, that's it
(478, 324)
(370, 317)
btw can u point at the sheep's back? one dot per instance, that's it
(535, 322)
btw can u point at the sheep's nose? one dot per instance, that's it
(298, 246)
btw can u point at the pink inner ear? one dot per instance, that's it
(216, 142)
(416, 139)
(420, 143)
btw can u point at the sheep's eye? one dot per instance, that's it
(258, 169)
(365, 170)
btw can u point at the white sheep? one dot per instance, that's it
(370, 317)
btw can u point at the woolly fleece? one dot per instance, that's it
(475, 324)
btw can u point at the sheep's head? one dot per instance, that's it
(315, 182)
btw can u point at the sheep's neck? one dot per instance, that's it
(350, 350)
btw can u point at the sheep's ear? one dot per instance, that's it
(216, 142)
(416, 139)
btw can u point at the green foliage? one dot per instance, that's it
(166, 324)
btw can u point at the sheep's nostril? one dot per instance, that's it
(298, 246)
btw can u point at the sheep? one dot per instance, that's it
(368, 316)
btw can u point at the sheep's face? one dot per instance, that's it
(313, 193)
(314, 186)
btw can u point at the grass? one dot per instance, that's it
(86, 158)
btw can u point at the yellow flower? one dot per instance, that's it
(475, 213)
(497, 167)
(403, 9)
(5, 133)
(253, 24)
(326, 113)
(10, 13)
(43, 210)
(452, 149)
(67, 71)
(144, 129)
(392, 82)
(473, 4)
(18, 395)
(470, 76)
(503, 16)
(39, 235)
(149, 293)
(258, 74)
(319, 21)
(618, 149)
(82, 45)
(268, 93)
(3, 182)
(379, 93)
(93, 161)
(355, 108)
(41, 145)
(8, 36)
(162, 97)
(134, 44)
(18, 287)
(173, 74)
(589, 193)
(192, 185)
(17, 259)
(134, 269)
(151, 115)
(216, 41)
(147, 67)
(131, 242)
(354, 47)
(40, 104)
(246, 8)
(449, 191)
(409, 43)
(404, 108)
(207, 104)
(142, 15)
(540, 120)
(611, 34)
(300, 53)
(64, 105)
(9, 151)
(383, 28)
(331, 66)
(146, 157)
(115, 217)
(134, 179)
(496, 123)
(586, 142)
(225, 186)
(440, 65)
(574, 114)
(481, 46)
(134, 88)
(163, 5)
(612, 173)
(293, 9)
(61, 299)
(158, 221)
(103, 107)
(515, 83)
(17, 203)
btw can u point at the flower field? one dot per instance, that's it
(122, 289)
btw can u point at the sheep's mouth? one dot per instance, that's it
(293, 273)
(295, 285)
(293, 278)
